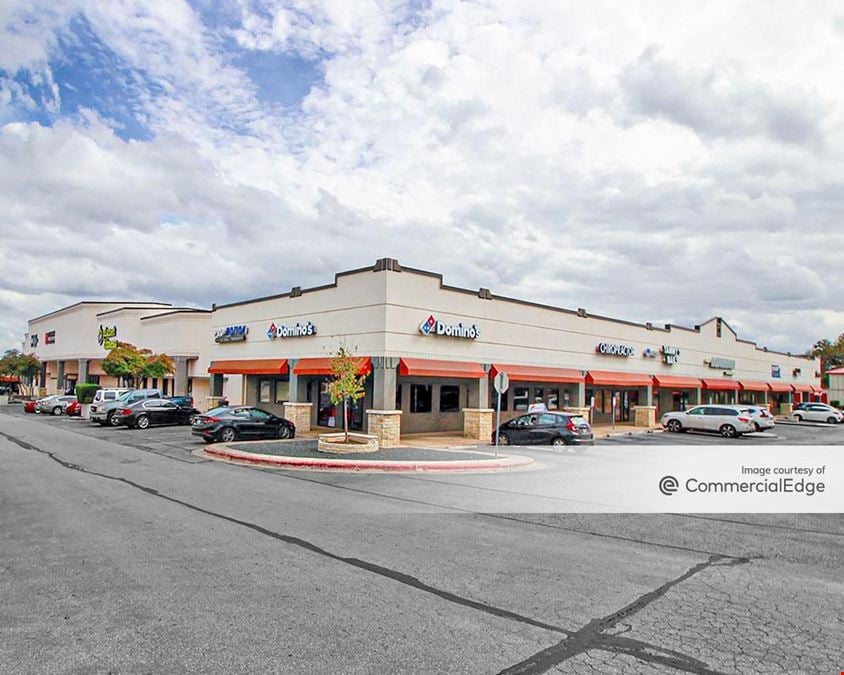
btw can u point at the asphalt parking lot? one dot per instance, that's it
(784, 433)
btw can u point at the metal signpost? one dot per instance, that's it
(500, 383)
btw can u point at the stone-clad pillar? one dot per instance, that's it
(83, 372)
(60, 377)
(180, 380)
(382, 420)
(293, 387)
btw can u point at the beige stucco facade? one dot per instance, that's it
(379, 312)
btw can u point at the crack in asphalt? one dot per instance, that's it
(374, 568)
(592, 636)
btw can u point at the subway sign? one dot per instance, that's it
(231, 334)
(615, 349)
(431, 326)
(297, 330)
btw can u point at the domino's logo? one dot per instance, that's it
(428, 325)
(272, 331)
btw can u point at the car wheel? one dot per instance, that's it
(112, 419)
(283, 431)
(728, 431)
(227, 435)
(57, 410)
(832, 420)
(559, 443)
(142, 422)
(757, 427)
(799, 418)
(503, 439)
(675, 426)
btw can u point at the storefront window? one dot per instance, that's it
(398, 397)
(538, 395)
(449, 398)
(553, 399)
(264, 391)
(420, 398)
(520, 398)
(282, 391)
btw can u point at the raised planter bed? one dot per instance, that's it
(335, 443)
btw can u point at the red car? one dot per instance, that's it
(74, 409)
(29, 406)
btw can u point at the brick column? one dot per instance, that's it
(385, 425)
(299, 414)
(645, 415)
(478, 423)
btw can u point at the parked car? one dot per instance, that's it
(107, 413)
(728, 420)
(53, 405)
(761, 417)
(152, 411)
(29, 406)
(186, 401)
(101, 398)
(74, 409)
(229, 424)
(819, 412)
(542, 428)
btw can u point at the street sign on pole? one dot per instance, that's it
(500, 383)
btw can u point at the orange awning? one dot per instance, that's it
(537, 373)
(779, 387)
(322, 366)
(250, 367)
(753, 385)
(720, 385)
(676, 381)
(10, 379)
(803, 387)
(613, 379)
(817, 390)
(436, 368)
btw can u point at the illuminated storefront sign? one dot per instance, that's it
(432, 326)
(297, 330)
(670, 355)
(33, 340)
(106, 337)
(649, 353)
(614, 349)
(721, 364)
(231, 334)
(50, 338)
(776, 372)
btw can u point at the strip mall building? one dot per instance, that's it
(430, 353)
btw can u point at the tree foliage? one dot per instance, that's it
(831, 354)
(347, 383)
(24, 366)
(130, 363)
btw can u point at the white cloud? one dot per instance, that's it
(651, 161)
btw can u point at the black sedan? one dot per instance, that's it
(143, 414)
(240, 423)
(554, 428)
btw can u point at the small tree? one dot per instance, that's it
(347, 384)
(128, 362)
(24, 366)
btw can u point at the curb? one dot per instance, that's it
(492, 464)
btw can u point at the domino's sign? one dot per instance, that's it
(298, 330)
(431, 326)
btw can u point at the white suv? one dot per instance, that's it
(101, 397)
(730, 421)
(819, 412)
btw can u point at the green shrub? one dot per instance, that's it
(85, 392)
(835, 404)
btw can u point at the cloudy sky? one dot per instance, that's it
(654, 161)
